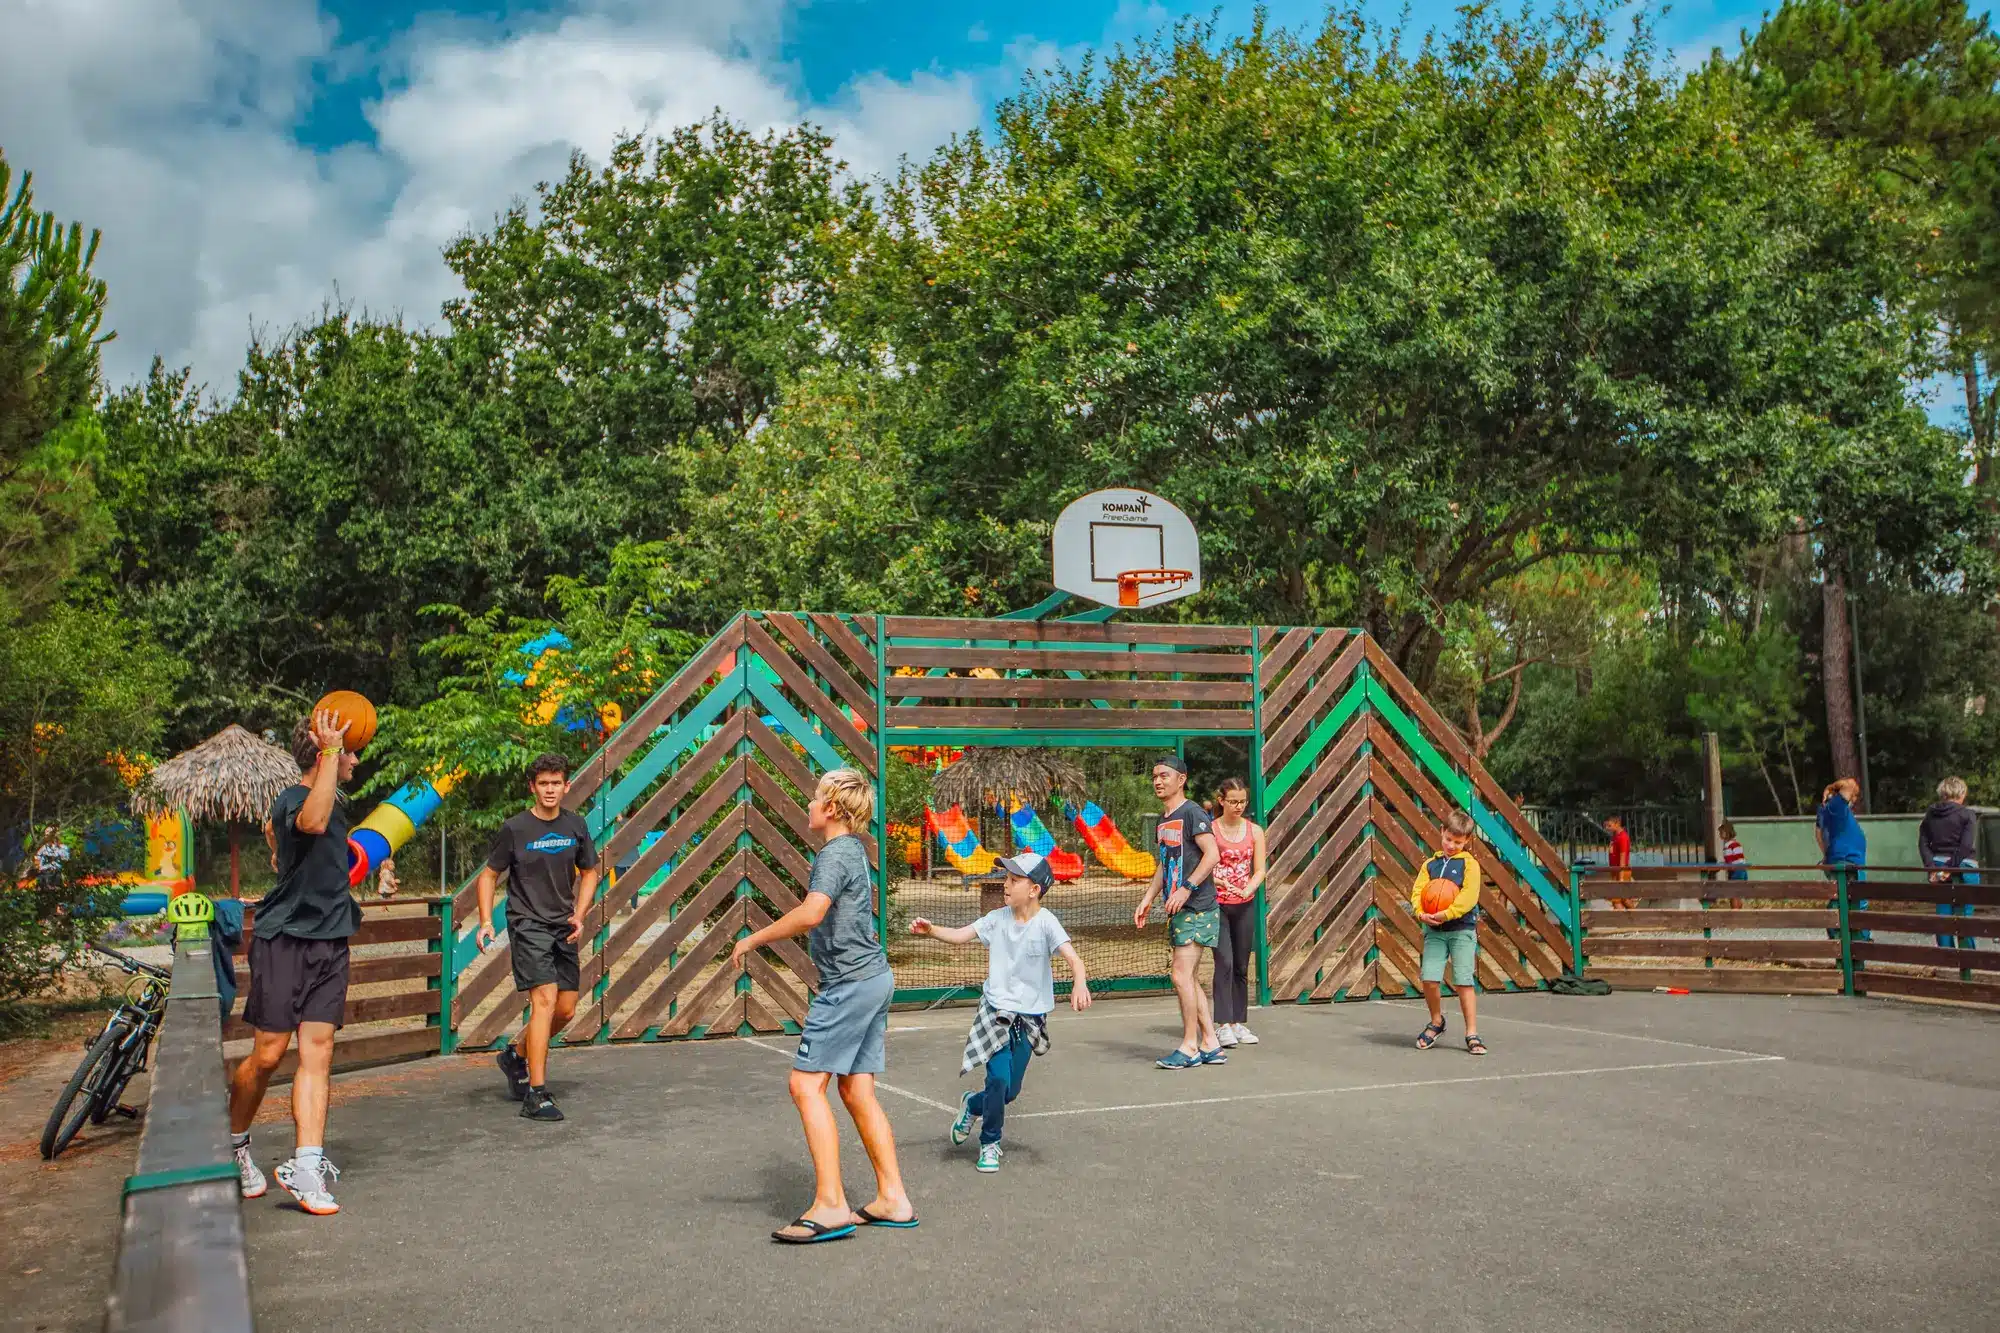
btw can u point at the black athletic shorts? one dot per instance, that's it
(294, 981)
(542, 954)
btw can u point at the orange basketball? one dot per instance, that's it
(356, 712)
(1439, 894)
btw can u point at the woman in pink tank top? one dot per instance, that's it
(1238, 874)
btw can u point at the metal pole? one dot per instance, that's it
(1846, 931)
(1860, 695)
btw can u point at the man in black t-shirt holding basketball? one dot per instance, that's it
(551, 866)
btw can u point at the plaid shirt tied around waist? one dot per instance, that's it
(992, 1030)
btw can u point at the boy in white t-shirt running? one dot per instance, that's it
(1021, 940)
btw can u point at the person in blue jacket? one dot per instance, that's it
(1841, 841)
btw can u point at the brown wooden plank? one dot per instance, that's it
(1985, 927)
(381, 923)
(1709, 890)
(1282, 740)
(672, 841)
(1189, 720)
(1402, 957)
(790, 858)
(639, 728)
(727, 1021)
(774, 748)
(1912, 891)
(1340, 952)
(1052, 660)
(1334, 847)
(1539, 954)
(1721, 918)
(1928, 988)
(481, 977)
(1737, 980)
(759, 1018)
(1280, 647)
(1348, 927)
(693, 869)
(717, 1008)
(794, 631)
(815, 700)
(690, 1013)
(786, 996)
(370, 971)
(1501, 950)
(1311, 839)
(1334, 764)
(685, 922)
(844, 638)
(1394, 908)
(1777, 951)
(779, 802)
(714, 945)
(1353, 970)
(1279, 699)
(1168, 691)
(675, 789)
(1928, 955)
(1343, 902)
(1066, 631)
(407, 1004)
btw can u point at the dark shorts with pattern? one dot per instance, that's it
(544, 955)
(1203, 928)
(294, 981)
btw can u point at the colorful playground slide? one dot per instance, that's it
(960, 843)
(1032, 835)
(1109, 845)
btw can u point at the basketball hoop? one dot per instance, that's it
(1130, 581)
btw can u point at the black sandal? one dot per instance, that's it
(1473, 1045)
(1431, 1033)
(817, 1232)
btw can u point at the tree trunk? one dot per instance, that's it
(1835, 659)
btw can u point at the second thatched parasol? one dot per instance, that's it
(990, 774)
(231, 777)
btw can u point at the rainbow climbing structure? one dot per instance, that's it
(1032, 835)
(1108, 845)
(959, 842)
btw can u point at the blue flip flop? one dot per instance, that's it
(817, 1230)
(1178, 1059)
(869, 1219)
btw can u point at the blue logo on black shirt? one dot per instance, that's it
(552, 842)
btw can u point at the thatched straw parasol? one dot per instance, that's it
(991, 773)
(232, 776)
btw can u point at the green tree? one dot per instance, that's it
(1395, 326)
(51, 309)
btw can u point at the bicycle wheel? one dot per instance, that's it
(115, 1073)
(80, 1093)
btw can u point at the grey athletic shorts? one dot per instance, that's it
(847, 1027)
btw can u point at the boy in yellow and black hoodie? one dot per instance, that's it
(1451, 935)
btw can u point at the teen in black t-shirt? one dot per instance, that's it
(550, 862)
(1186, 851)
(298, 963)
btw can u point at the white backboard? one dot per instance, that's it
(1112, 532)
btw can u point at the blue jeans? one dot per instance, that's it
(1004, 1073)
(1965, 876)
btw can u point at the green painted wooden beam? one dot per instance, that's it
(1322, 736)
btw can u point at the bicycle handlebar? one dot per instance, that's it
(131, 964)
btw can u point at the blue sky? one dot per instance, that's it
(252, 161)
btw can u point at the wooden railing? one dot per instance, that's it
(395, 989)
(1809, 929)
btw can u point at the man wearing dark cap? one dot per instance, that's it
(1187, 853)
(1021, 941)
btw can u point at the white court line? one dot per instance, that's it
(886, 1087)
(1628, 1036)
(1386, 1087)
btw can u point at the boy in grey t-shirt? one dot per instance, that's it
(1021, 941)
(848, 1021)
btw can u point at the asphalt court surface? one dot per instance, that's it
(1625, 1162)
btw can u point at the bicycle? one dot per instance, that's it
(117, 1054)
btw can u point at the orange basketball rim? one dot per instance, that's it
(1131, 580)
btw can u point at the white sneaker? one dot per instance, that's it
(989, 1158)
(1245, 1035)
(1226, 1033)
(247, 1174)
(309, 1186)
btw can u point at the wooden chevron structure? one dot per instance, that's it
(1357, 772)
(701, 797)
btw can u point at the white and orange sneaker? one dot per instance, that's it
(308, 1184)
(247, 1174)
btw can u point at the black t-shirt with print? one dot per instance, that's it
(541, 858)
(310, 901)
(1179, 854)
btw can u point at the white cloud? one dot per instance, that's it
(169, 125)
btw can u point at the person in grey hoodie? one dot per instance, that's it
(1947, 847)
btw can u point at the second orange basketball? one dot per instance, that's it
(355, 710)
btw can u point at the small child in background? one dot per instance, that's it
(1732, 853)
(1618, 856)
(1451, 935)
(1021, 939)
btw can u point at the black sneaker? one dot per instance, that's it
(538, 1105)
(515, 1066)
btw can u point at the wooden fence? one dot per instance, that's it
(1808, 931)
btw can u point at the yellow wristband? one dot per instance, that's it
(329, 752)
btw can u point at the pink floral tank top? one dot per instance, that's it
(1238, 862)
